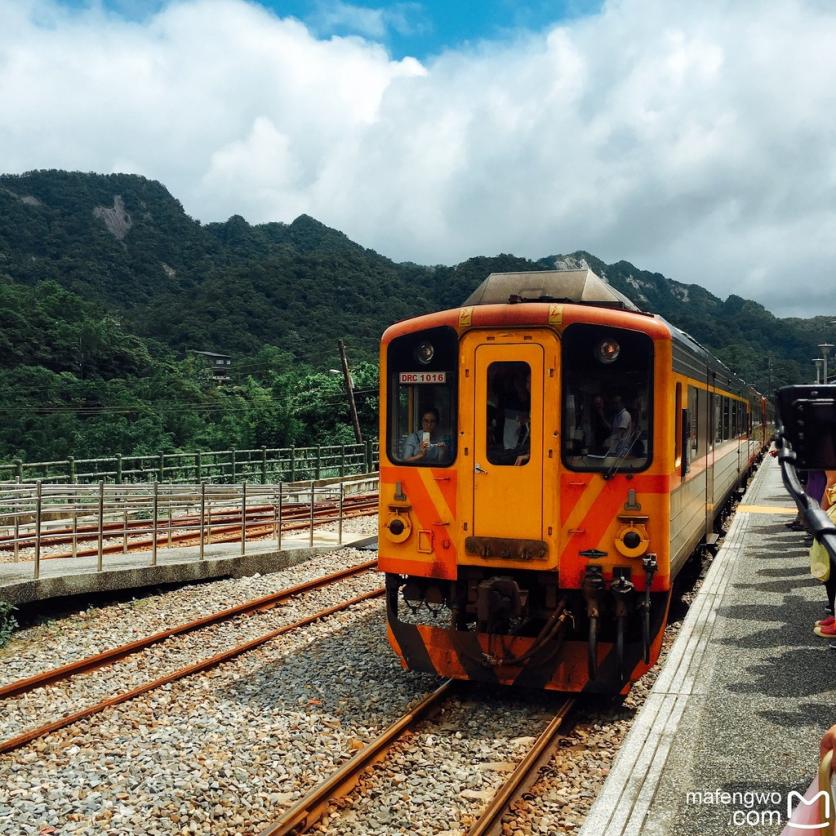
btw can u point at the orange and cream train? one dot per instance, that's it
(550, 457)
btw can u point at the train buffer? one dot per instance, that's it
(728, 735)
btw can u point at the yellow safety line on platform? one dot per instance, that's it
(767, 509)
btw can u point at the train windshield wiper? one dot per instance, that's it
(628, 446)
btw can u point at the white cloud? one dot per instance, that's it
(330, 16)
(693, 139)
(333, 16)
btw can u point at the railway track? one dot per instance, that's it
(305, 701)
(98, 661)
(309, 810)
(220, 527)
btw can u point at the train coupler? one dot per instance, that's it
(499, 600)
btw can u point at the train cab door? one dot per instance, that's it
(507, 433)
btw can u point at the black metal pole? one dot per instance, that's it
(349, 390)
(819, 524)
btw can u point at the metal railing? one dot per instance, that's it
(42, 521)
(265, 465)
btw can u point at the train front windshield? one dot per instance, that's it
(422, 398)
(607, 399)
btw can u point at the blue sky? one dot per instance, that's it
(423, 29)
(408, 28)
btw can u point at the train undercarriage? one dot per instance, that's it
(520, 627)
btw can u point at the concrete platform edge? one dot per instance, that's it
(628, 791)
(231, 566)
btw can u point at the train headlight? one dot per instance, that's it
(424, 353)
(632, 538)
(607, 351)
(398, 527)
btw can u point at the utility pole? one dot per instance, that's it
(349, 390)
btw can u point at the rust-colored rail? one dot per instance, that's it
(99, 660)
(305, 813)
(219, 534)
(230, 520)
(490, 821)
(204, 664)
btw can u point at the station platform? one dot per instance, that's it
(732, 725)
(68, 576)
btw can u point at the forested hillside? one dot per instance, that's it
(105, 282)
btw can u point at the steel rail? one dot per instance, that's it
(490, 820)
(204, 664)
(231, 519)
(219, 534)
(83, 533)
(306, 812)
(262, 604)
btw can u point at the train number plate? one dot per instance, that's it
(506, 548)
(423, 377)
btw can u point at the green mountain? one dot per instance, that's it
(766, 351)
(105, 282)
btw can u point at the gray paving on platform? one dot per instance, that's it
(744, 696)
(66, 576)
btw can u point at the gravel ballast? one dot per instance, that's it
(229, 750)
(221, 752)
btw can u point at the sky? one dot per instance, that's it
(697, 140)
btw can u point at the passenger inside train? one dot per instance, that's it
(509, 413)
(427, 444)
(606, 401)
(421, 430)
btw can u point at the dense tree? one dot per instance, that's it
(105, 283)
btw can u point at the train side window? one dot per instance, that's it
(508, 413)
(678, 432)
(726, 419)
(421, 402)
(693, 422)
(705, 433)
(607, 399)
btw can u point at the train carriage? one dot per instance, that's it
(550, 457)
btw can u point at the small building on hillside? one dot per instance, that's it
(218, 364)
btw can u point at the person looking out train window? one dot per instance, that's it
(427, 445)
